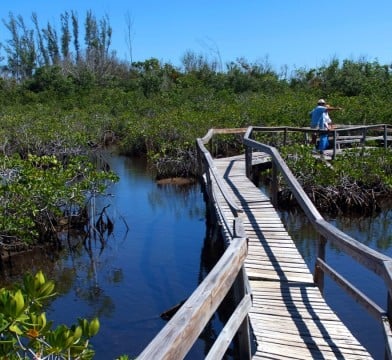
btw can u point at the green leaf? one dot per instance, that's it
(15, 328)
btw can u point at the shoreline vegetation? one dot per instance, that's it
(357, 182)
(64, 99)
(68, 109)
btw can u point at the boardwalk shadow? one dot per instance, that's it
(279, 298)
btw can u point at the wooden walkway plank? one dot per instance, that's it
(289, 317)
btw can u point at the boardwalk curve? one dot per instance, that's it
(289, 317)
(278, 308)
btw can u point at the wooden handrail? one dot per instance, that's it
(336, 133)
(219, 348)
(372, 259)
(181, 332)
(378, 263)
(214, 172)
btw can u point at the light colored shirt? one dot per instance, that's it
(317, 117)
(326, 121)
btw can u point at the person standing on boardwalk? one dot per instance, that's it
(320, 120)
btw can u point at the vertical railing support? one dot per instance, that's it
(248, 162)
(334, 144)
(274, 184)
(243, 333)
(306, 138)
(318, 273)
(389, 315)
(363, 140)
(385, 137)
(199, 162)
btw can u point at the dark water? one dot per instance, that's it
(154, 259)
(151, 263)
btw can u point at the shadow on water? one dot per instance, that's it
(212, 250)
(155, 251)
(146, 250)
(16, 264)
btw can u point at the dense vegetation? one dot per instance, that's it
(63, 98)
(358, 181)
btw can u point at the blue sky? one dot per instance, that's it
(295, 33)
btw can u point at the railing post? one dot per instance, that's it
(306, 142)
(385, 137)
(248, 162)
(334, 144)
(199, 161)
(318, 273)
(243, 333)
(363, 141)
(389, 315)
(208, 182)
(274, 184)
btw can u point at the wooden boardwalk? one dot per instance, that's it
(289, 317)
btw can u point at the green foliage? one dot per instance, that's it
(49, 79)
(27, 334)
(61, 98)
(158, 111)
(371, 168)
(308, 170)
(35, 193)
(355, 181)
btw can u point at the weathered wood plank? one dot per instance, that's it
(289, 317)
(224, 339)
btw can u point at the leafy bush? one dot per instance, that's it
(355, 181)
(37, 192)
(27, 334)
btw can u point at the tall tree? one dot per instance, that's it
(20, 49)
(50, 34)
(105, 37)
(75, 31)
(129, 35)
(97, 40)
(42, 55)
(65, 36)
(91, 38)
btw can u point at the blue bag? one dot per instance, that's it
(323, 143)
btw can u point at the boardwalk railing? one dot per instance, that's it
(340, 135)
(178, 336)
(176, 339)
(378, 263)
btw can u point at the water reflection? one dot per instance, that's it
(15, 265)
(146, 263)
(374, 231)
(162, 195)
(141, 256)
(157, 253)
